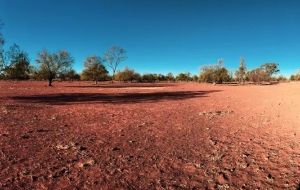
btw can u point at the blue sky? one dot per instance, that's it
(160, 35)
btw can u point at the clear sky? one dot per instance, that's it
(160, 35)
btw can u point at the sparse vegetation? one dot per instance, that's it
(58, 65)
(184, 77)
(70, 76)
(295, 77)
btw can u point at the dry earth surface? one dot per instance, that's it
(76, 135)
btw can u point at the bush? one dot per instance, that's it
(70, 75)
(149, 77)
(280, 78)
(170, 77)
(258, 75)
(295, 77)
(214, 74)
(184, 77)
(195, 78)
(94, 69)
(128, 75)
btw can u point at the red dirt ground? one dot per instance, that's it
(149, 136)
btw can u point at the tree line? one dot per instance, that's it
(50, 66)
(217, 73)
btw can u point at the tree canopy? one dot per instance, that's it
(113, 57)
(51, 65)
(94, 69)
(18, 65)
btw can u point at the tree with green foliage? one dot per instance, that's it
(270, 68)
(51, 65)
(184, 77)
(18, 66)
(94, 69)
(113, 57)
(70, 76)
(195, 78)
(281, 78)
(170, 77)
(295, 77)
(241, 72)
(258, 75)
(2, 64)
(161, 77)
(149, 77)
(216, 73)
(127, 75)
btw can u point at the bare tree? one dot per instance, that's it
(53, 64)
(113, 57)
(241, 72)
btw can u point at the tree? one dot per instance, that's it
(70, 75)
(295, 77)
(2, 64)
(184, 77)
(113, 57)
(270, 68)
(170, 77)
(149, 77)
(53, 64)
(281, 78)
(241, 72)
(258, 75)
(18, 66)
(195, 78)
(161, 77)
(94, 69)
(215, 73)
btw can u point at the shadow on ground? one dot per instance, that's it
(114, 98)
(125, 85)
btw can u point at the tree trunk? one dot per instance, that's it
(50, 82)
(113, 76)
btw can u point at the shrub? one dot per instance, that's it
(214, 74)
(149, 77)
(281, 78)
(295, 77)
(128, 75)
(94, 69)
(258, 75)
(170, 77)
(184, 77)
(195, 78)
